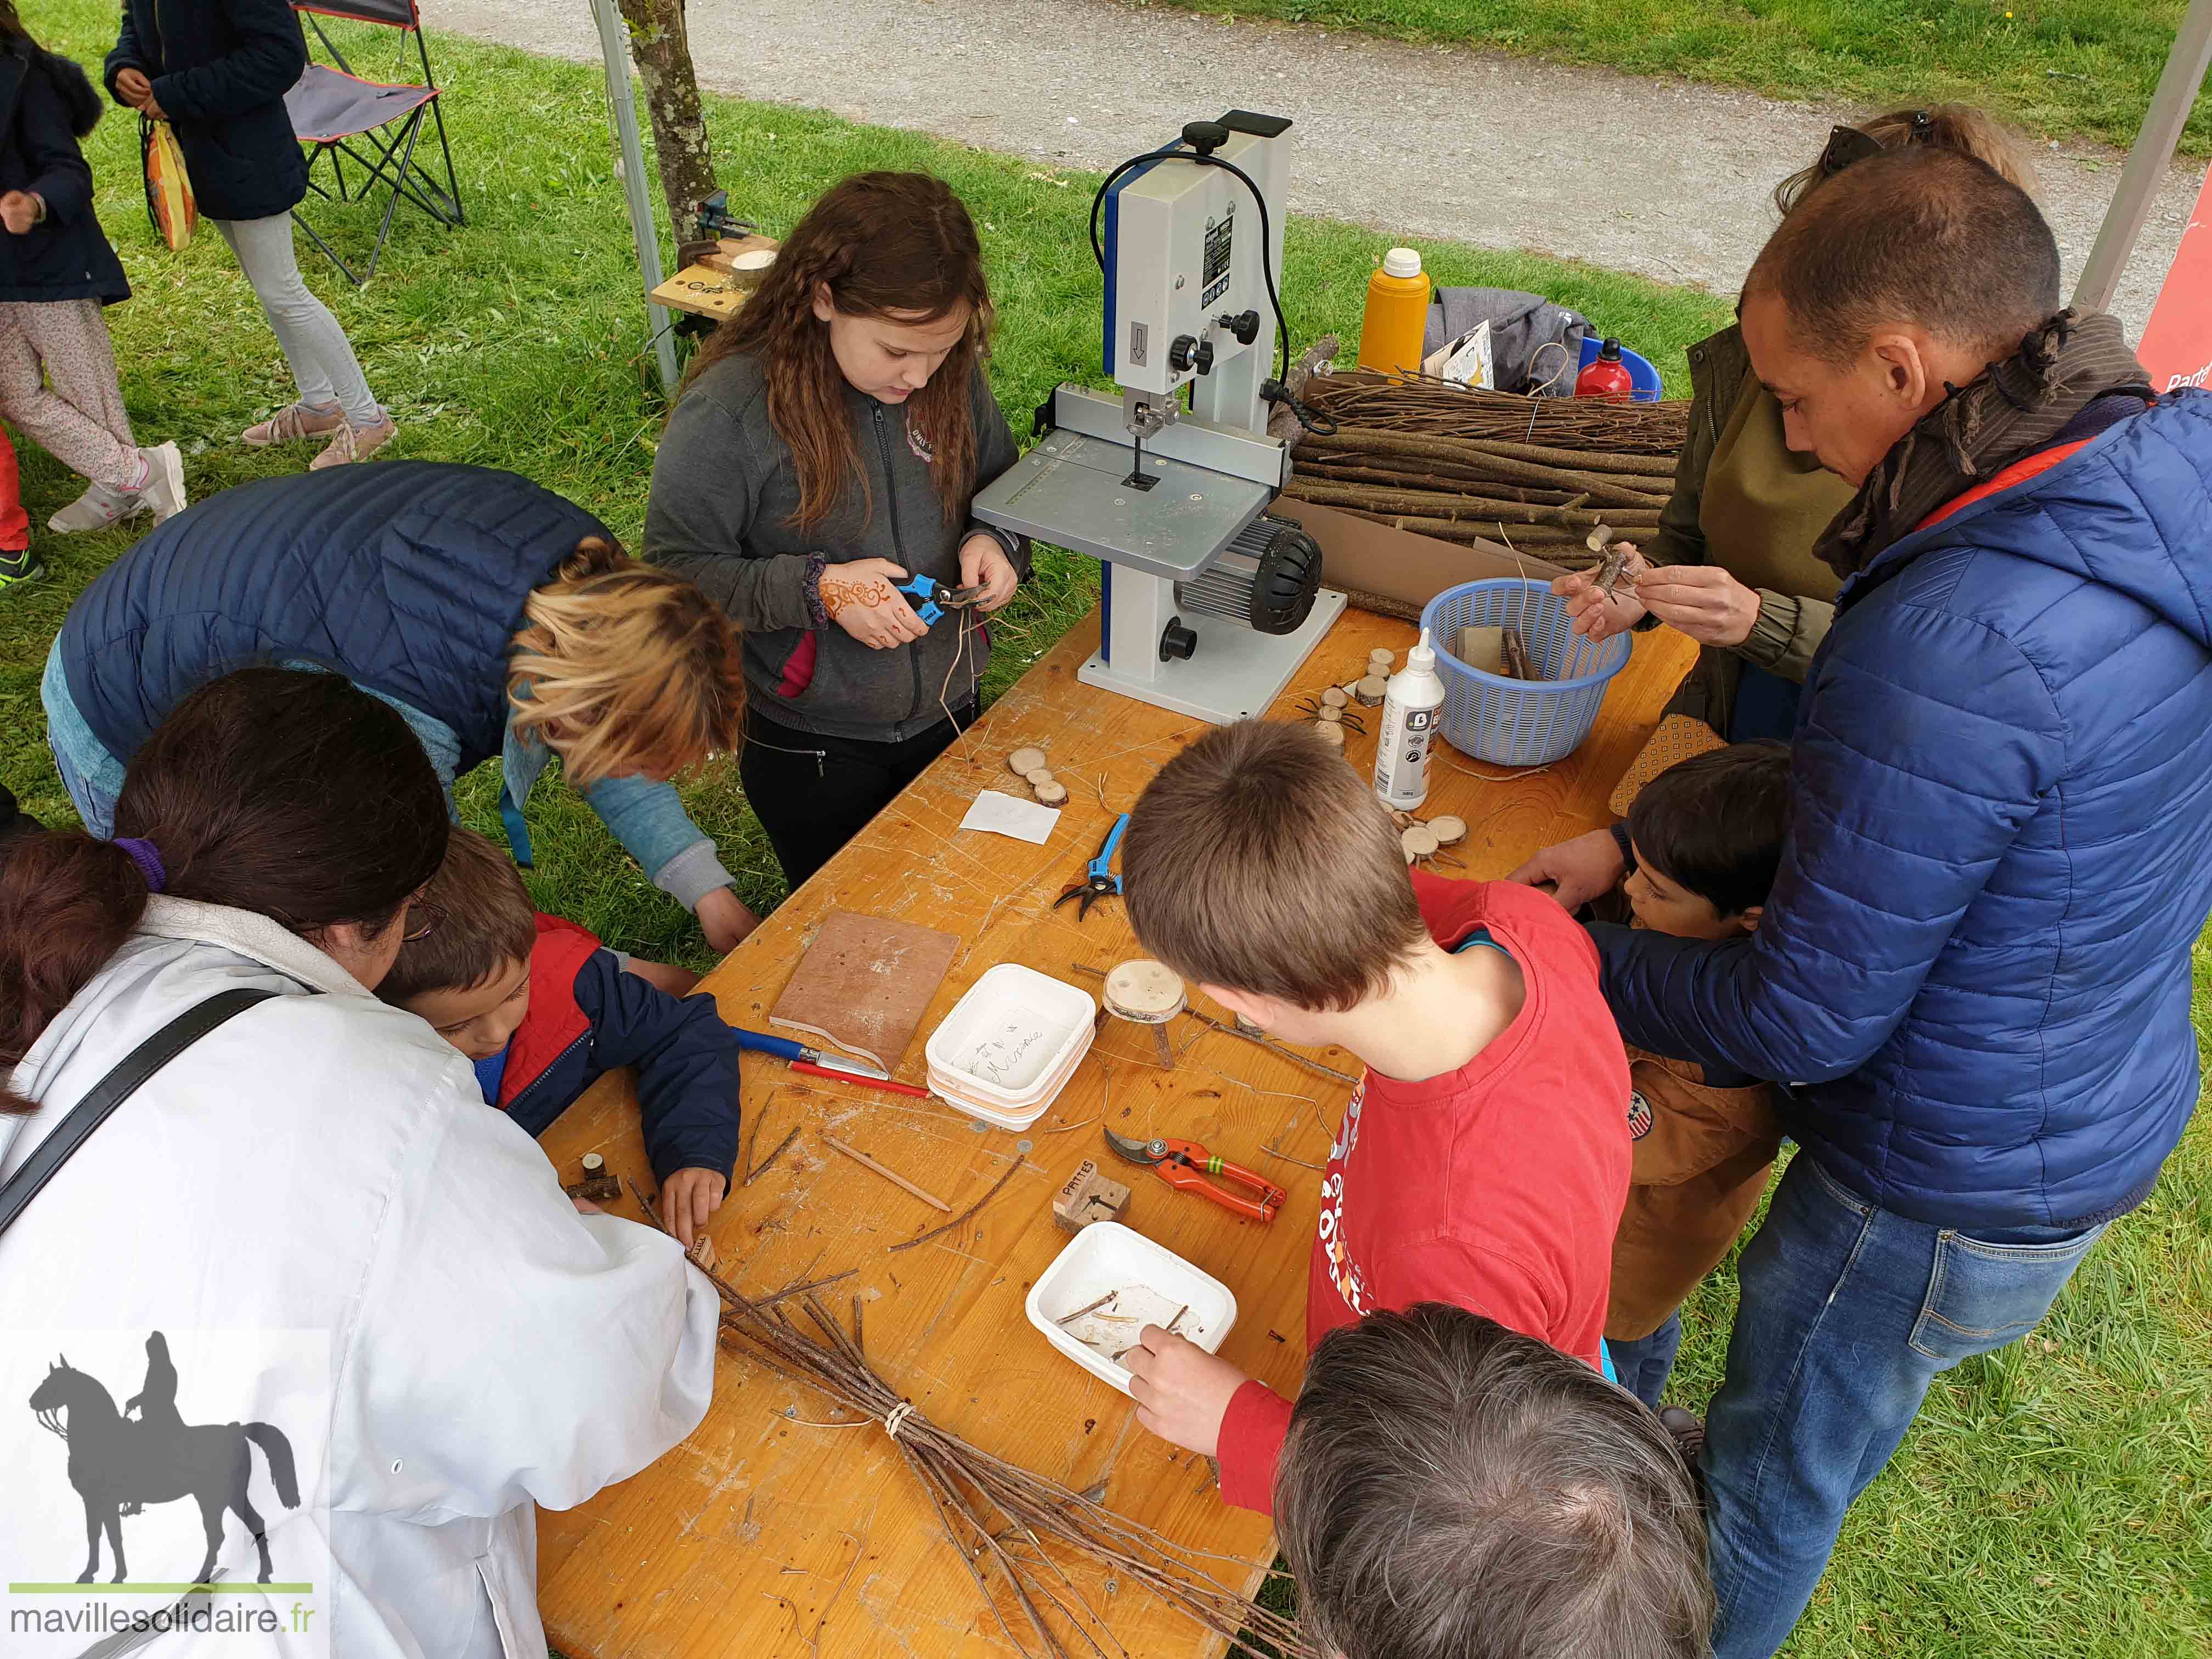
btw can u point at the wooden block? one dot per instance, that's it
(1481, 648)
(723, 258)
(864, 984)
(1087, 1196)
(701, 1254)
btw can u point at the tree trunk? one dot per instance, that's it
(662, 51)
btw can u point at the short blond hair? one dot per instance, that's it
(621, 668)
(1257, 861)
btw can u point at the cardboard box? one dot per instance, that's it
(1362, 558)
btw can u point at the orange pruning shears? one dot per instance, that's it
(1179, 1163)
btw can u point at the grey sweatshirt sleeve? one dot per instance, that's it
(702, 503)
(996, 450)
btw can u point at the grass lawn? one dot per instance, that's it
(2053, 1500)
(2054, 67)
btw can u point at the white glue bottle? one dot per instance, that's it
(1410, 708)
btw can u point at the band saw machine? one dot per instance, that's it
(1209, 605)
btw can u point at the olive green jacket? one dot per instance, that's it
(1789, 627)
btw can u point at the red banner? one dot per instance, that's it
(2176, 344)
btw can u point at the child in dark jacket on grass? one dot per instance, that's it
(1704, 838)
(544, 1010)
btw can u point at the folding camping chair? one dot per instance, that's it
(331, 108)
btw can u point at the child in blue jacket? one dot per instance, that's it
(543, 1009)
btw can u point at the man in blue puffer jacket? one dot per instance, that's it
(1975, 963)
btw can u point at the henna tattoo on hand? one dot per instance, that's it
(837, 595)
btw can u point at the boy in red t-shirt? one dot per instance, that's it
(1485, 1156)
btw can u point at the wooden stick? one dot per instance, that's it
(891, 1176)
(958, 1220)
(761, 1168)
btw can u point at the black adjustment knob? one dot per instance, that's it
(1176, 640)
(1204, 358)
(1180, 354)
(1205, 136)
(1245, 324)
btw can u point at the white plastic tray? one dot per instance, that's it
(1108, 1256)
(1010, 1042)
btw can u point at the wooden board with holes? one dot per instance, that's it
(767, 1533)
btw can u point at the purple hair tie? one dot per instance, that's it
(148, 858)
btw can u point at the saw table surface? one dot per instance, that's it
(762, 1535)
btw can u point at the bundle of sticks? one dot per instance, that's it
(1501, 489)
(1413, 403)
(994, 1513)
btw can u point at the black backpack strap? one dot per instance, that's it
(118, 1086)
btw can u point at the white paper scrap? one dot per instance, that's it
(1010, 815)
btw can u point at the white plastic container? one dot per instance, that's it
(1010, 1045)
(1409, 725)
(1108, 1256)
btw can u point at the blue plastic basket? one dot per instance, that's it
(1508, 722)
(1644, 385)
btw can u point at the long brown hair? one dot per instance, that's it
(290, 793)
(625, 669)
(899, 246)
(1950, 126)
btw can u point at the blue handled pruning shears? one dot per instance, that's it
(932, 599)
(1099, 882)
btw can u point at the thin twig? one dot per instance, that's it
(761, 1168)
(891, 1176)
(935, 1232)
(1269, 1152)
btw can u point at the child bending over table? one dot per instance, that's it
(544, 1010)
(1484, 1157)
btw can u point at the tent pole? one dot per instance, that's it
(614, 48)
(2145, 171)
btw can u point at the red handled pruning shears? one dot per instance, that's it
(1179, 1163)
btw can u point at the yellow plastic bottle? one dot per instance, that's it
(1397, 314)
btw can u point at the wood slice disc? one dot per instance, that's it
(1371, 690)
(1334, 697)
(1050, 792)
(1022, 761)
(1147, 992)
(1378, 661)
(1449, 831)
(1329, 732)
(1039, 777)
(1330, 717)
(1418, 841)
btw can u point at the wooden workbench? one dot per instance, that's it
(760, 1535)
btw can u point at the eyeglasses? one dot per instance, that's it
(1848, 145)
(422, 920)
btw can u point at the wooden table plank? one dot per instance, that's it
(762, 1534)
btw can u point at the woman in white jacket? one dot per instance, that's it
(351, 1262)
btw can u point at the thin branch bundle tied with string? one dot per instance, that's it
(1420, 403)
(1010, 1528)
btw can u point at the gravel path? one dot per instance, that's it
(1663, 178)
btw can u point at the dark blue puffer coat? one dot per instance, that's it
(407, 577)
(1977, 954)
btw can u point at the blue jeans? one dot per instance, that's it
(1847, 1314)
(1642, 1366)
(92, 777)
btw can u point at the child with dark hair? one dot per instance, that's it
(1452, 1490)
(544, 1011)
(1704, 839)
(1482, 1160)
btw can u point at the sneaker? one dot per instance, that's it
(291, 424)
(19, 565)
(96, 509)
(163, 492)
(355, 443)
